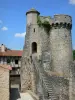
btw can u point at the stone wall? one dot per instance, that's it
(25, 75)
(54, 51)
(61, 50)
(50, 85)
(72, 81)
(4, 83)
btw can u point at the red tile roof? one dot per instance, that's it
(11, 53)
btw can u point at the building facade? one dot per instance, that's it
(12, 58)
(47, 60)
(4, 82)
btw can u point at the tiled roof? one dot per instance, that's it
(11, 53)
(32, 10)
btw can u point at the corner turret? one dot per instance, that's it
(32, 16)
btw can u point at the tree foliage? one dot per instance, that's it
(45, 24)
(73, 54)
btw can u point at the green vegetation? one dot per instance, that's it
(73, 54)
(39, 21)
(45, 24)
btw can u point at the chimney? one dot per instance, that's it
(2, 48)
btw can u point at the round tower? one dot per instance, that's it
(61, 44)
(32, 35)
(32, 16)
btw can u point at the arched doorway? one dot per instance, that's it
(34, 47)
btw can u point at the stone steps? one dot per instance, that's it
(50, 90)
(47, 85)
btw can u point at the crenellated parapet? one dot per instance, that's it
(62, 18)
(47, 56)
(59, 21)
(62, 21)
(61, 25)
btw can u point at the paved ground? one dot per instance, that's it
(16, 95)
(14, 92)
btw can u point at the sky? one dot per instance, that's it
(13, 18)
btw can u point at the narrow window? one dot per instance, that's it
(34, 47)
(16, 61)
(48, 94)
(34, 29)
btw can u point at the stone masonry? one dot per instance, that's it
(47, 63)
(4, 82)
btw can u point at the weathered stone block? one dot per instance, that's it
(4, 82)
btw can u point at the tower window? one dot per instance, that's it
(48, 94)
(34, 29)
(34, 47)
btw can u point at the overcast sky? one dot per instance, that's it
(13, 19)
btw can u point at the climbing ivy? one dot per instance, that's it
(45, 24)
(39, 21)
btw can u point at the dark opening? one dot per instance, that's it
(34, 29)
(34, 47)
(16, 61)
(64, 25)
(48, 95)
(8, 61)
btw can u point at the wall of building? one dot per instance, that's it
(26, 80)
(61, 44)
(11, 61)
(4, 84)
(54, 50)
(15, 72)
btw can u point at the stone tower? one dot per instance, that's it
(32, 36)
(47, 55)
(61, 44)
